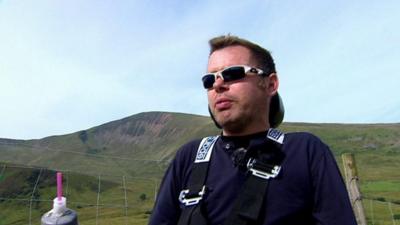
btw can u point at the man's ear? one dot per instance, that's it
(272, 84)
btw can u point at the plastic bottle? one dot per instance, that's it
(60, 214)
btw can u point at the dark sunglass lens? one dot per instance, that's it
(208, 81)
(233, 73)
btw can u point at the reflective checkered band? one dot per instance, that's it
(205, 149)
(276, 135)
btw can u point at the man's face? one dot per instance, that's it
(240, 107)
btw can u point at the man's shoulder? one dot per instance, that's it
(301, 136)
(303, 140)
(306, 148)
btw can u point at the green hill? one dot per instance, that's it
(114, 169)
(140, 145)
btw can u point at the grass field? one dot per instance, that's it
(96, 199)
(126, 200)
(112, 172)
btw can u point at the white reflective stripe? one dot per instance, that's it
(205, 148)
(276, 135)
(265, 175)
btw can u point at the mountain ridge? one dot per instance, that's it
(150, 137)
(148, 114)
(141, 143)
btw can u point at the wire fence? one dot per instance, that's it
(382, 212)
(100, 201)
(26, 193)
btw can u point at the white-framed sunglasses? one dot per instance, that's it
(231, 73)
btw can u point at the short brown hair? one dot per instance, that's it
(260, 54)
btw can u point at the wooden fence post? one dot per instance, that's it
(351, 177)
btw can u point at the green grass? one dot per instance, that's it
(378, 213)
(114, 150)
(105, 204)
(382, 186)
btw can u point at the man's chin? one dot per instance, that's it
(227, 120)
(223, 118)
(228, 123)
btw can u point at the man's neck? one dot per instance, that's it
(244, 132)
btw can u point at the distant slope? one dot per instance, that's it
(140, 145)
(143, 144)
(139, 148)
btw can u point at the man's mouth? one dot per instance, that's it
(223, 104)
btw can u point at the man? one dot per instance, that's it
(255, 174)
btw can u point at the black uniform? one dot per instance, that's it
(309, 189)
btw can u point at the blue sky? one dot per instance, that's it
(71, 65)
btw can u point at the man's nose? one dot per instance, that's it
(219, 84)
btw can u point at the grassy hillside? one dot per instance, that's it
(140, 145)
(135, 151)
